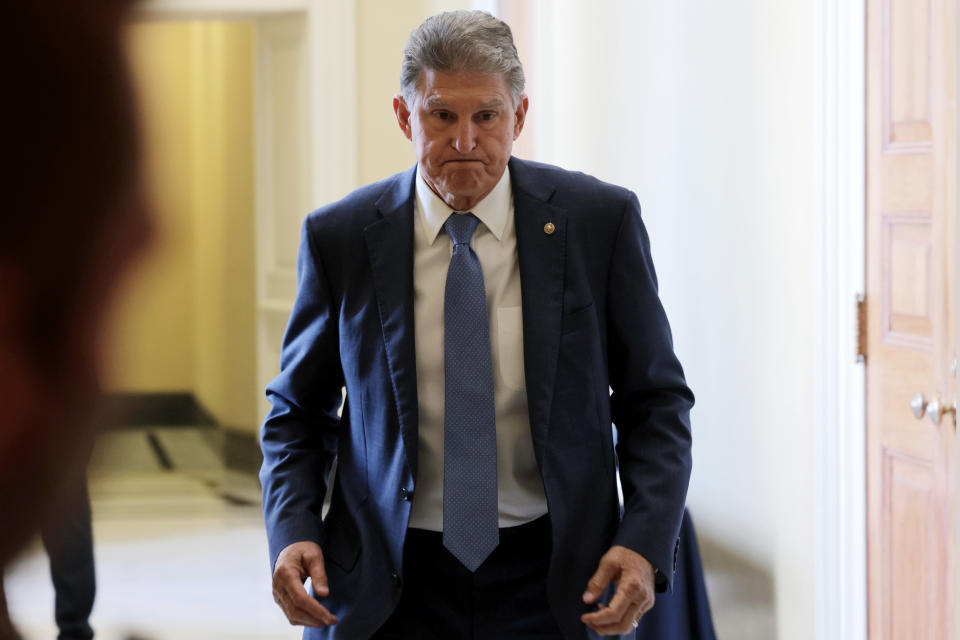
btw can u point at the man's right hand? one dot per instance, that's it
(294, 564)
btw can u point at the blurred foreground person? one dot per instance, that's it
(73, 218)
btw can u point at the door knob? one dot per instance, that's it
(918, 405)
(937, 409)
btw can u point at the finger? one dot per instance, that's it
(297, 615)
(287, 578)
(298, 598)
(290, 593)
(647, 602)
(605, 615)
(629, 621)
(591, 619)
(298, 618)
(600, 579)
(624, 624)
(623, 599)
(293, 613)
(288, 581)
(318, 575)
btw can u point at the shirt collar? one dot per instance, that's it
(492, 210)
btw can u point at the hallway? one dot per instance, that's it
(181, 555)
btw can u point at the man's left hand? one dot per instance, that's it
(633, 576)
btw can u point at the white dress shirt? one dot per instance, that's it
(520, 488)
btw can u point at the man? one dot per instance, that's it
(477, 309)
(73, 219)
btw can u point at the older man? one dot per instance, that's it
(478, 309)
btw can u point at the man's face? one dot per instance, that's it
(462, 126)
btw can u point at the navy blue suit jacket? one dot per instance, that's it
(592, 321)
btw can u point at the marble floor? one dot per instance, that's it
(181, 554)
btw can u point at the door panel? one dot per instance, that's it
(283, 181)
(911, 206)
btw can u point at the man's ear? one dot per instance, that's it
(520, 116)
(403, 115)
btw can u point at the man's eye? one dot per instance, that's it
(488, 115)
(443, 115)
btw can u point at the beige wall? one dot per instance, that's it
(155, 342)
(189, 323)
(223, 217)
(383, 27)
(705, 110)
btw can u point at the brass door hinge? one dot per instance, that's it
(861, 328)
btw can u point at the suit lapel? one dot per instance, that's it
(541, 257)
(390, 247)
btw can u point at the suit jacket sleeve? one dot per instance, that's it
(300, 434)
(650, 403)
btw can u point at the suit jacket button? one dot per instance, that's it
(396, 580)
(406, 495)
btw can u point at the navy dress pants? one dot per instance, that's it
(69, 543)
(505, 599)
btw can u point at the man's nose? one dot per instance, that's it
(465, 140)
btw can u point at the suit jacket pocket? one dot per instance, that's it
(341, 545)
(577, 320)
(510, 347)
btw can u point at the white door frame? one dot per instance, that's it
(322, 35)
(956, 451)
(331, 72)
(838, 228)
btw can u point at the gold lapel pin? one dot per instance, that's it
(549, 228)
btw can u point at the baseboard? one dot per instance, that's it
(238, 448)
(241, 451)
(168, 409)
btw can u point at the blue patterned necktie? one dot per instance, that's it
(470, 510)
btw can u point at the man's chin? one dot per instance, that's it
(459, 189)
(463, 175)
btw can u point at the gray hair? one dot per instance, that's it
(454, 41)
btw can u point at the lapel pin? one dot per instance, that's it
(549, 228)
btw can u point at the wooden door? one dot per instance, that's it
(910, 307)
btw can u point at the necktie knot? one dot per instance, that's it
(460, 227)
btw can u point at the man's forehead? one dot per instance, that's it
(440, 100)
(441, 88)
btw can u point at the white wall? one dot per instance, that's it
(383, 27)
(705, 109)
